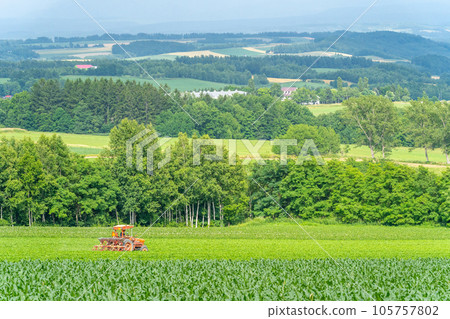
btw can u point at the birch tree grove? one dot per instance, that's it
(377, 119)
(442, 116)
(422, 124)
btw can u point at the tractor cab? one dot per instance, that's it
(120, 231)
(121, 241)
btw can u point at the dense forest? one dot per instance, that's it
(434, 63)
(96, 106)
(44, 184)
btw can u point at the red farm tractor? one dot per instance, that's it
(120, 241)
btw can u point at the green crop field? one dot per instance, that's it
(81, 140)
(258, 260)
(3, 80)
(182, 84)
(325, 108)
(83, 144)
(310, 85)
(401, 154)
(74, 52)
(331, 108)
(254, 240)
(296, 280)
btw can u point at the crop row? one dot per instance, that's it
(255, 229)
(316, 279)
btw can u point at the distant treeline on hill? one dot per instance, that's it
(384, 44)
(254, 65)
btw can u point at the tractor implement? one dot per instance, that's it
(120, 241)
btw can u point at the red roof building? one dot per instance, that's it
(85, 66)
(287, 91)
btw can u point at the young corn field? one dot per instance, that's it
(316, 279)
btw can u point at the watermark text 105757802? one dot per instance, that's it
(149, 141)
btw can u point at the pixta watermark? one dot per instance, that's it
(150, 141)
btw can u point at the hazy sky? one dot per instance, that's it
(151, 11)
(62, 16)
(168, 10)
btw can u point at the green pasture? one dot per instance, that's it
(70, 52)
(75, 140)
(310, 85)
(87, 144)
(331, 108)
(238, 52)
(401, 154)
(325, 108)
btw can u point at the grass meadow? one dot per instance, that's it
(325, 108)
(91, 145)
(75, 52)
(238, 52)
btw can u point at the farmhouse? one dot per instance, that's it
(7, 97)
(287, 91)
(217, 94)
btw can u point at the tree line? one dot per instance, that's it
(43, 183)
(351, 192)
